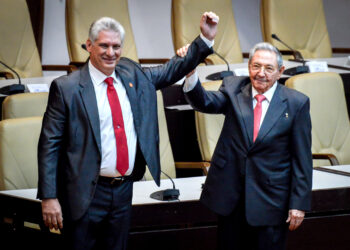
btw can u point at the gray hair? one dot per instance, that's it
(105, 23)
(268, 47)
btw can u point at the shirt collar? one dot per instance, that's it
(268, 94)
(97, 76)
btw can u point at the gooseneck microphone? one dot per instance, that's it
(222, 74)
(13, 88)
(170, 194)
(297, 56)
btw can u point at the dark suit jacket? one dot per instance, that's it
(69, 151)
(275, 172)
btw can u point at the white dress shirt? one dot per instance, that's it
(108, 142)
(265, 103)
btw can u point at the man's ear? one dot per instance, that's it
(88, 45)
(281, 70)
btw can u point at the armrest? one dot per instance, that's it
(67, 68)
(77, 64)
(208, 61)
(141, 61)
(341, 50)
(287, 52)
(7, 75)
(296, 54)
(193, 165)
(332, 158)
(153, 60)
(245, 54)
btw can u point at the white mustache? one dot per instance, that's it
(261, 79)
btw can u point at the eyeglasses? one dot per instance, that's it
(267, 68)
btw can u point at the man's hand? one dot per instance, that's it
(295, 218)
(208, 25)
(183, 52)
(52, 213)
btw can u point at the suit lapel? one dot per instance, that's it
(130, 87)
(88, 96)
(245, 106)
(274, 112)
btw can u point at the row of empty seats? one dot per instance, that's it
(301, 24)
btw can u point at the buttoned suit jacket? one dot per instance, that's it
(69, 150)
(274, 173)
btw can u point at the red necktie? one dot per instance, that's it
(257, 114)
(118, 126)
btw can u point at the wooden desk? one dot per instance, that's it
(341, 170)
(187, 224)
(34, 80)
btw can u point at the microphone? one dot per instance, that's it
(84, 46)
(222, 74)
(170, 194)
(297, 56)
(13, 88)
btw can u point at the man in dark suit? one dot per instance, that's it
(99, 131)
(261, 170)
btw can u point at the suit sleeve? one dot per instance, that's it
(178, 67)
(212, 102)
(301, 183)
(50, 143)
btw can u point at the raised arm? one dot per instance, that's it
(199, 49)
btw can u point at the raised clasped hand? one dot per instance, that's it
(208, 25)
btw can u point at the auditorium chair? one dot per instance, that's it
(80, 15)
(208, 128)
(185, 16)
(329, 116)
(300, 24)
(18, 152)
(18, 47)
(24, 105)
(168, 165)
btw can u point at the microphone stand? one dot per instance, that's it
(13, 88)
(298, 58)
(222, 74)
(170, 194)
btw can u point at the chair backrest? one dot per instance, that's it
(185, 17)
(18, 48)
(18, 152)
(24, 105)
(208, 127)
(300, 24)
(166, 154)
(80, 15)
(329, 115)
